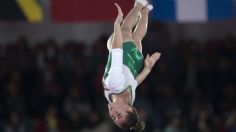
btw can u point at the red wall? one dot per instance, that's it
(87, 10)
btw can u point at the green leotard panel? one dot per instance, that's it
(132, 58)
(108, 66)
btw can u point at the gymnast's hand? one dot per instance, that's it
(119, 18)
(151, 60)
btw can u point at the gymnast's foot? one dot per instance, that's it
(143, 2)
(150, 7)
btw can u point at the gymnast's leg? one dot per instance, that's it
(131, 20)
(141, 28)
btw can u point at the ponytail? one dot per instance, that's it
(139, 125)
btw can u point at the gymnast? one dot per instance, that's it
(126, 67)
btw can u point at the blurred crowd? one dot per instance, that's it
(51, 87)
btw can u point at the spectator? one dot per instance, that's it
(15, 123)
(51, 122)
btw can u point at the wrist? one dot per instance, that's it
(147, 70)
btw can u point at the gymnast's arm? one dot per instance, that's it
(115, 77)
(116, 40)
(116, 37)
(149, 62)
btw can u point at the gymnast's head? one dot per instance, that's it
(125, 116)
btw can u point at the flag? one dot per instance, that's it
(21, 10)
(87, 10)
(193, 10)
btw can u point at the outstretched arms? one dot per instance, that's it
(148, 65)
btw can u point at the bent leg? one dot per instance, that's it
(141, 28)
(130, 21)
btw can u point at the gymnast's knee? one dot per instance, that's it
(126, 28)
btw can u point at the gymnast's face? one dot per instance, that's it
(119, 112)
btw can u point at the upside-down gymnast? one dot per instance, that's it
(126, 67)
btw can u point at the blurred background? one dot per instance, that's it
(53, 54)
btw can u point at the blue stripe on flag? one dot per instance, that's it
(164, 10)
(220, 9)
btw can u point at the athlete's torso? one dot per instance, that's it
(132, 65)
(132, 58)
